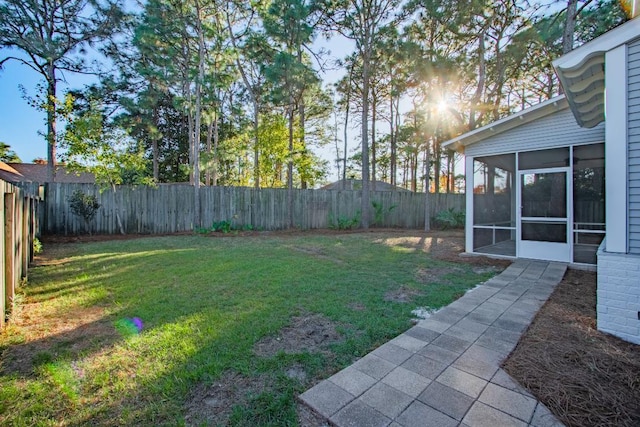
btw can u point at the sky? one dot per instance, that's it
(21, 126)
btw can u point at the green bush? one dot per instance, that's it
(344, 222)
(379, 212)
(85, 206)
(37, 246)
(222, 226)
(450, 218)
(225, 227)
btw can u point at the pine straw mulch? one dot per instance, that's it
(585, 377)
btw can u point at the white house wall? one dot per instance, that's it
(634, 146)
(558, 129)
(618, 295)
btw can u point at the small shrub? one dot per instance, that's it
(37, 246)
(379, 212)
(85, 206)
(344, 223)
(450, 218)
(222, 226)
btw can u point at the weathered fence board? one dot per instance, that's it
(169, 208)
(20, 214)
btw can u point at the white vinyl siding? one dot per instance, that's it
(558, 129)
(633, 73)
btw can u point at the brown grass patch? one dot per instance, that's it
(213, 404)
(74, 334)
(585, 377)
(402, 295)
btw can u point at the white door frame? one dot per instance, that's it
(548, 251)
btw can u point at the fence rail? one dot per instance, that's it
(20, 209)
(169, 208)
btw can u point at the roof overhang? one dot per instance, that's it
(582, 73)
(518, 119)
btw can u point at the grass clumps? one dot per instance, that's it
(232, 329)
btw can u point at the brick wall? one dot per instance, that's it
(619, 294)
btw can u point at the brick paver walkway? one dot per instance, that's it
(445, 371)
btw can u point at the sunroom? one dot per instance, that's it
(535, 186)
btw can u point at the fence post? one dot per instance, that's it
(24, 236)
(9, 251)
(2, 262)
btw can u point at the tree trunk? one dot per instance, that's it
(256, 150)
(216, 141)
(198, 119)
(477, 96)
(207, 174)
(117, 211)
(335, 140)
(392, 142)
(290, 169)
(569, 26)
(155, 152)
(302, 117)
(414, 171)
(437, 165)
(427, 215)
(344, 154)
(346, 127)
(51, 122)
(365, 138)
(374, 106)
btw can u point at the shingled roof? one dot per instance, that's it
(356, 184)
(9, 174)
(35, 172)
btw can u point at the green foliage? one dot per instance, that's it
(70, 25)
(450, 218)
(222, 226)
(345, 222)
(93, 145)
(379, 211)
(7, 155)
(225, 227)
(37, 246)
(85, 206)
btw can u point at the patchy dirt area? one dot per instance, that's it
(402, 295)
(312, 333)
(585, 377)
(429, 275)
(57, 335)
(208, 404)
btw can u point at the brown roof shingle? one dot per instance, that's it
(34, 172)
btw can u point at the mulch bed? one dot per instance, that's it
(585, 377)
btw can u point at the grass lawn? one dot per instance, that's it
(210, 308)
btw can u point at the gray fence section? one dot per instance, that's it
(20, 209)
(169, 208)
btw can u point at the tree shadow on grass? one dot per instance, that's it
(77, 336)
(200, 332)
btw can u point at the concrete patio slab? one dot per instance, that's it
(445, 371)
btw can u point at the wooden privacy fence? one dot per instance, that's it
(20, 209)
(169, 208)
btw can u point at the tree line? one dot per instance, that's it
(230, 92)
